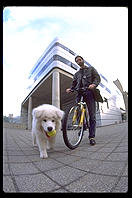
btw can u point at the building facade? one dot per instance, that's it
(52, 74)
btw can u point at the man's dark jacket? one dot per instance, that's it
(86, 76)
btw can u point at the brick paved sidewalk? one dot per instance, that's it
(99, 168)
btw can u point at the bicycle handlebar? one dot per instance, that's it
(79, 89)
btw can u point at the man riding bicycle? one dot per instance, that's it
(87, 77)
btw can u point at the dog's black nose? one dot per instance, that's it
(50, 128)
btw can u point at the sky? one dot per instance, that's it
(98, 34)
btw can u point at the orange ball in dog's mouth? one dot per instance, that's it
(51, 133)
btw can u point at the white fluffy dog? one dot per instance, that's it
(46, 118)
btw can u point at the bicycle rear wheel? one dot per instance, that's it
(72, 132)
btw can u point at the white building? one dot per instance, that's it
(53, 73)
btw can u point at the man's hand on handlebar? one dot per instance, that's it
(68, 90)
(92, 86)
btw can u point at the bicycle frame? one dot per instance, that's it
(75, 122)
(83, 110)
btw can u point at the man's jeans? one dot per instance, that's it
(90, 101)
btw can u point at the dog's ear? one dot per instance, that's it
(36, 113)
(60, 114)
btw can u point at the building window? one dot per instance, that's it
(103, 77)
(71, 52)
(58, 58)
(108, 90)
(87, 64)
(55, 44)
(101, 84)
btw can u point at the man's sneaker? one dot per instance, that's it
(92, 141)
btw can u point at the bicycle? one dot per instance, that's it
(75, 121)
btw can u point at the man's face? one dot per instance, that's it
(80, 61)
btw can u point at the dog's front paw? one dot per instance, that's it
(43, 154)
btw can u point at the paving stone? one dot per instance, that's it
(34, 158)
(106, 150)
(23, 168)
(35, 183)
(99, 156)
(80, 153)
(8, 185)
(122, 185)
(125, 173)
(14, 153)
(110, 168)
(47, 164)
(92, 183)
(118, 157)
(86, 164)
(61, 190)
(121, 149)
(67, 159)
(18, 159)
(65, 174)
(6, 169)
(5, 159)
(31, 152)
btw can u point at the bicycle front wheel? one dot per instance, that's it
(72, 132)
